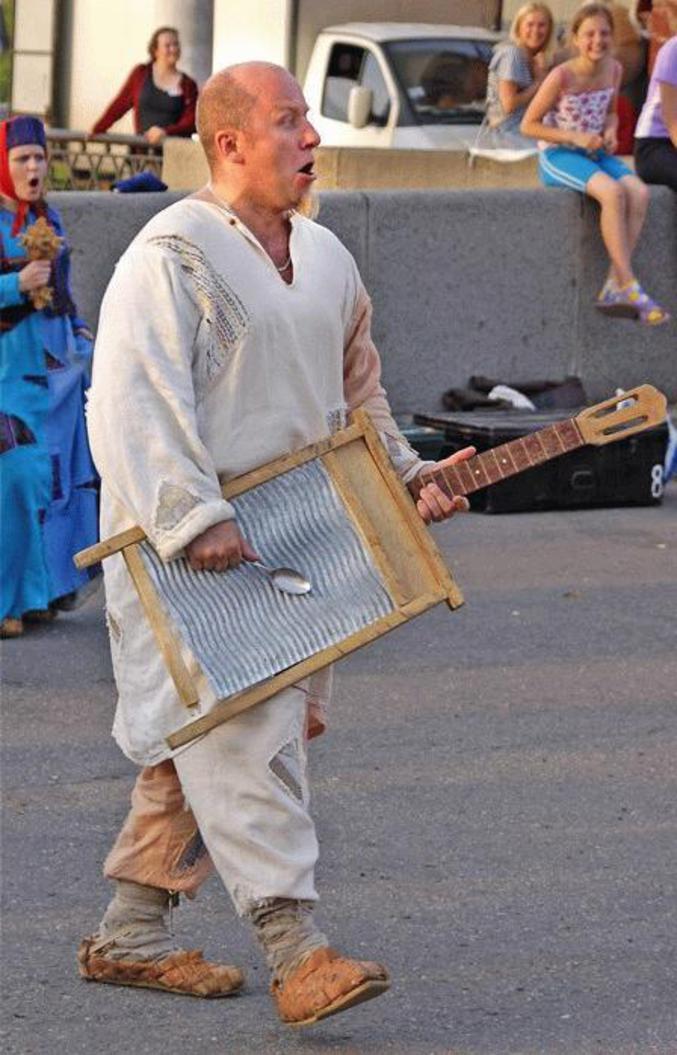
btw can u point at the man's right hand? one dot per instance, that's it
(218, 548)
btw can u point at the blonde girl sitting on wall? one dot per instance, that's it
(516, 71)
(574, 116)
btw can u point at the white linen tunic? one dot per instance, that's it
(207, 364)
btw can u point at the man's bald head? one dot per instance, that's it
(228, 97)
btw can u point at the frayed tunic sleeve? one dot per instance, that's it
(143, 412)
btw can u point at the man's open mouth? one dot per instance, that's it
(33, 182)
(308, 170)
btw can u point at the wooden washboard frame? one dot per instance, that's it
(411, 567)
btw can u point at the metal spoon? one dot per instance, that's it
(285, 579)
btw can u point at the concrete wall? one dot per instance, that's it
(184, 167)
(498, 282)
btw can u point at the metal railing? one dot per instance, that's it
(79, 161)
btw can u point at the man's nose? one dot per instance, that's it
(311, 137)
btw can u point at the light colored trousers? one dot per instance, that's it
(236, 800)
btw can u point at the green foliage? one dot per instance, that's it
(6, 54)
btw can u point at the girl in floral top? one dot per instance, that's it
(574, 116)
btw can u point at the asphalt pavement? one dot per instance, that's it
(496, 802)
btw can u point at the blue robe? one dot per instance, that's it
(48, 484)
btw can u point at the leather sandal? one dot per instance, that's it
(325, 984)
(184, 972)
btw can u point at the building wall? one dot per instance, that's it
(107, 40)
(255, 29)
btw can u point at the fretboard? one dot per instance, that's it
(508, 459)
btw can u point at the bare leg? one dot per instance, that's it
(613, 224)
(637, 203)
(624, 205)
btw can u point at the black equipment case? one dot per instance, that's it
(628, 472)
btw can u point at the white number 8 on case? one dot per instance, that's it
(656, 481)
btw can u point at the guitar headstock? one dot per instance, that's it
(635, 410)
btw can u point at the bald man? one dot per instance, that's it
(234, 330)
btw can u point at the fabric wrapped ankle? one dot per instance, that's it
(287, 933)
(136, 924)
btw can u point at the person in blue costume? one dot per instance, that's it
(48, 490)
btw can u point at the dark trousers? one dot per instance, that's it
(656, 161)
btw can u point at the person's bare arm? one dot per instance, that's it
(512, 97)
(610, 132)
(668, 94)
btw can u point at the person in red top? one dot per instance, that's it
(163, 98)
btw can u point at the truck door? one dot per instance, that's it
(349, 66)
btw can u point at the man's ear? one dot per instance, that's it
(227, 142)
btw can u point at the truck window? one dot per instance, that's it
(349, 66)
(444, 81)
(343, 73)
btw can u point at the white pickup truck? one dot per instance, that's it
(399, 85)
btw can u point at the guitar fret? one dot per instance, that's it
(477, 467)
(520, 455)
(569, 434)
(535, 449)
(550, 441)
(505, 459)
(452, 481)
(446, 479)
(503, 463)
(496, 472)
(468, 482)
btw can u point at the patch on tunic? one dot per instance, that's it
(173, 504)
(223, 313)
(57, 488)
(52, 363)
(36, 379)
(337, 419)
(14, 433)
(400, 453)
(114, 628)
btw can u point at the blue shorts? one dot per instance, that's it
(572, 168)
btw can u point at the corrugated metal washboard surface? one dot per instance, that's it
(239, 627)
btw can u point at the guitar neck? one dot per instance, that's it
(507, 460)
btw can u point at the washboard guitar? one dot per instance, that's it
(337, 512)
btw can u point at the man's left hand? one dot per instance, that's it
(433, 504)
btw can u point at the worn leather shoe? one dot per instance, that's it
(184, 972)
(325, 984)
